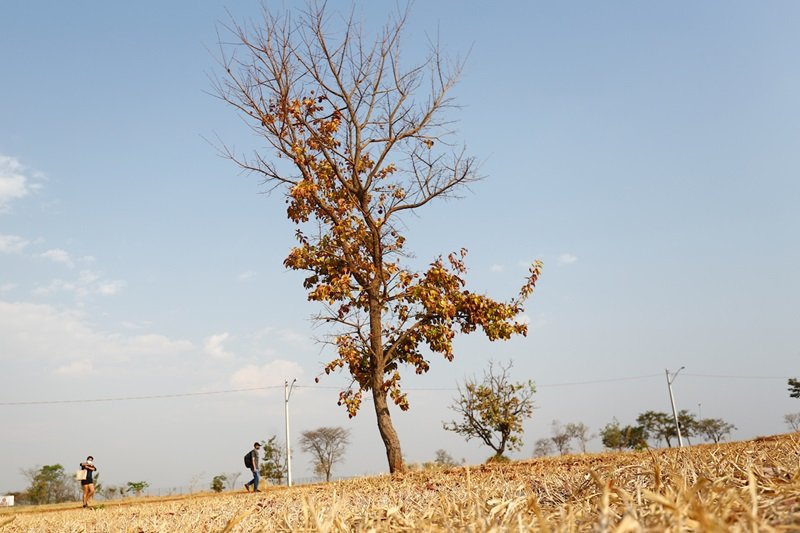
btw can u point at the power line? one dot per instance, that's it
(230, 391)
(538, 386)
(127, 398)
(717, 376)
(592, 382)
(332, 387)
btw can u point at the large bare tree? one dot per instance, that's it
(357, 139)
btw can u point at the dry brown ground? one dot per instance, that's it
(742, 486)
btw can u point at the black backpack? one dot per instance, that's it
(248, 460)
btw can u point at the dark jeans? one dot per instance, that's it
(254, 481)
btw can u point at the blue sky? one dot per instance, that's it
(646, 153)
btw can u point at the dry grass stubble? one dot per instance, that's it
(743, 486)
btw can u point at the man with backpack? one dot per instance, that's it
(251, 462)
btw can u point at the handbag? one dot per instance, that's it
(80, 475)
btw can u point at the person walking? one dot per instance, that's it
(251, 462)
(87, 485)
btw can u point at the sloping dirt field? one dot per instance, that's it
(743, 486)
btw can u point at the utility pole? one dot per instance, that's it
(672, 400)
(287, 391)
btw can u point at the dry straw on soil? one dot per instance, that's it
(744, 486)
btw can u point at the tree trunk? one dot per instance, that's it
(388, 434)
(390, 439)
(501, 449)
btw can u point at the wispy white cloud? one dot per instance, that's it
(54, 286)
(566, 259)
(496, 268)
(127, 324)
(88, 283)
(87, 277)
(12, 244)
(272, 374)
(5, 287)
(57, 255)
(287, 337)
(538, 321)
(76, 369)
(65, 340)
(244, 276)
(32, 331)
(291, 336)
(15, 182)
(109, 288)
(154, 345)
(214, 346)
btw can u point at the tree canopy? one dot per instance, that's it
(273, 464)
(714, 429)
(218, 483)
(617, 437)
(49, 484)
(794, 388)
(137, 487)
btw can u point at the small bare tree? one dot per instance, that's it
(543, 448)
(443, 458)
(231, 479)
(195, 480)
(793, 421)
(494, 409)
(561, 437)
(327, 446)
(579, 432)
(110, 491)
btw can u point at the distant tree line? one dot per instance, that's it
(653, 427)
(441, 460)
(53, 484)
